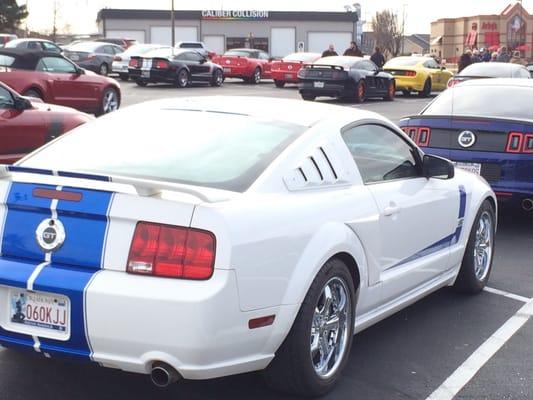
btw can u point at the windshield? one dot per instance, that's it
(85, 46)
(500, 101)
(224, 151)
(404, 62)
(304, 57)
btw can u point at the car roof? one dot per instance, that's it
(22, 40)
(420, 59)
(27, 58)
(246, 49)
(511, 82)
(291, 111)
(488, 67)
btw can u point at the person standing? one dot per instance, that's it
(330, 51)
(516, 58)
(465, 60)
(503, 55)
(378, 58)
(353, 50)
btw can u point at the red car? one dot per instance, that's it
(286, 70)
(26, 124)
(251, 65)
(57, 80)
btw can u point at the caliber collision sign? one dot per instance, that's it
(234, 14)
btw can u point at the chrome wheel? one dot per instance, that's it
(183, 78)
(219, 78)
(104, 70)
(110, 101)
(330, 328)
(257, 75)
(483, 246)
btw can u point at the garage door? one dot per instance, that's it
(283, 41)
(215, 43)
(319, 41)
(162, 34)
(137, 35)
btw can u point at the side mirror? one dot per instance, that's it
(80, 71)
(437, 167)
(377, 71)
(203, 60)
(21, 104)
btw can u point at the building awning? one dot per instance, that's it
(436, 41)
(492, 39)
(471, 39)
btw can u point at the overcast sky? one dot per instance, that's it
(80, 15)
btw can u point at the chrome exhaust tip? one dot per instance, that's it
(163, 374)
(527, 204)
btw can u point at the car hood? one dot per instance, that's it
(40, 105)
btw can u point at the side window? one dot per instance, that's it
(51, 47)
(194, 56)
(55, 65)
(521, 73)
(431, 64)
(370, 66)
(34, 45)
(106, 50)
(380, 154)
(6, 100)
(263, 56)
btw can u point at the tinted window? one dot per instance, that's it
(431, 64)
(225, 151)
(6, 101)
(381, 154)
(34, 45)
(163, 52)
(105, 50)
(6, 61)
(55, 64)
(191, 46)
(263, 56)
(492, 100)
(242, 53)
(50, 47)
(189, 56)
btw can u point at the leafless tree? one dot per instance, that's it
(387, 32)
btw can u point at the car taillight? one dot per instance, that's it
(421, 135)
(338, 75)
(134, 63)
(410, 73)
(171, 251)
(452, 82)
(518, 142)
(117, 58)
(161, 64)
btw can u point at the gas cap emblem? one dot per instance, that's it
(466, 139)
(50, 234)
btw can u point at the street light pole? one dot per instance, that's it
(173, 23)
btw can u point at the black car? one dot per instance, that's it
(530, 69)
(345, 77)
(94, 56)
(176, 66)
(490, 70)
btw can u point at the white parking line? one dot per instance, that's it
(462, 375)
(507, 294)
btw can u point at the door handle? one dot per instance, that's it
(391, 210)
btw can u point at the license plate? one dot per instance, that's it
(470, 167)
(318, 84)
(39, 311)
(145, 74)
(289, 76)
(74, 57)
(227, 70)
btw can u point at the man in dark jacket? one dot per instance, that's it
(378, 58)
(353, 50)
(330, 51)
(465, 60)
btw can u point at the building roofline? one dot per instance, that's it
(115, 13)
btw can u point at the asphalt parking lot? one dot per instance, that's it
(428, 349)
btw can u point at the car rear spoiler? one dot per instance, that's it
(143, 187)
(337, 67)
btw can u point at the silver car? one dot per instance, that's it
(122, 60)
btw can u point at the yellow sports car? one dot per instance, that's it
(418, 74)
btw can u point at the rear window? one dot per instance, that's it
(345, 62)
(164, 52)
(191, 45)
(513, 102)
(224, 151)
(489, 70)
(242, 53)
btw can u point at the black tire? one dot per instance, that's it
(308, 97)
(109, 102)
(467, 281)
(292, 370)
(182, 78)
(33, 93)
(218, 78)
(279, 84)
(103, 69)
(141, 82)
(391, 91)
(256, 77)
(360, 91)
(406, 92)
(124, 77)
(426, 92)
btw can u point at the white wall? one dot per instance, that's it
(163, 34)
(215, 43)
(282, 41)
(319, 41)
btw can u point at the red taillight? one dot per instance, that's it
(134, 63)
(420, 135)
(161, 64)
(171, 251)
(410, 73)
(528, 143)
(117, 58)
(514, 142)
(452, 82)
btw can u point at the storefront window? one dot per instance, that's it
(516, 32)
(247, 42)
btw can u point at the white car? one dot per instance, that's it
(204, 237)
(121, 61)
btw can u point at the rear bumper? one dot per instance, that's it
(156, 76)
(232, 71)
(511, 174)
(285, 76)
(119, 68)
(330, 89)
(128, 322)
(407, 83)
